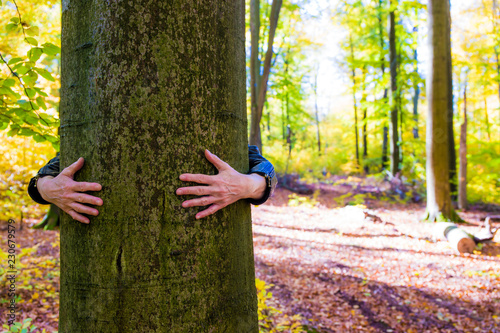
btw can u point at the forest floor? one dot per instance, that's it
(328, 264)
(344, 273)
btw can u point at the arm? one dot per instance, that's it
(50, 186)
(229, 186)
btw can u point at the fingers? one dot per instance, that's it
(86, 199)
(84, 187)
(79, 208)
(216, 161)
(194, 190)
(73, 168)
(78, 217)
(203, 201)
(209, 211)
(196, 178)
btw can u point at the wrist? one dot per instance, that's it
(41, 185)
(257, 186)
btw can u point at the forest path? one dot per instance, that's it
(343, 273)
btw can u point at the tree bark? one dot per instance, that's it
(365, 126)
(394, 137)
(487, 118)
(255, 68)
(353, 73)
(385, 134)
(146, 86)
(439, 205)
(318, 137)
(451, 135)
(416, 88)
(462, 170)
(256, 116)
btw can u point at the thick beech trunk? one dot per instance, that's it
(439, 205)
(146, 86)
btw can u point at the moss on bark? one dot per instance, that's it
(146, 86)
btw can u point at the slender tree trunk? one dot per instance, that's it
(385, 134)
(255, 135)
(439, 205)
(317, 112)
(486, 118)
(255, 76)
(451, 135)
(495, 19)
(462, 171)
(394, 95)
(416, 89)
(356, 131)
(146, 86)
(365, 138)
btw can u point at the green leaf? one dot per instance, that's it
(41, 103)
(31, 40)
(11, 26)
(31, 93)
(34, 54)
(51, 49)
(32, 31)
(7, 91)
(41, 92)
(31, 120)
(3, 126)
(9, 82)
(15, 20)
(30, 79)
(39, 138)
(15, 60)
(13, 131)
(22, 70)
(44, 73)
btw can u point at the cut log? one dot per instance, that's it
(459, 240)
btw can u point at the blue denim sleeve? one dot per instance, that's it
(261, 166)
(50, 169)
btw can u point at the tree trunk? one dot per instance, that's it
(365, 134)
(459, 240)
(439, 205)
(487, 118)
(356, 132)
(394, 141)
(385, 134)
(146, 86)
(462, 171)
(316, 111)
(255, 77)
(260, 97)
(451, 135)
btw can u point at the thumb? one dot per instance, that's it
(217, 162)
(73, 168)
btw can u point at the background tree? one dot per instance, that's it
(439, 205)
(145, 89)
(258, 80)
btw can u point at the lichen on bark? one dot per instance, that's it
(155, 84)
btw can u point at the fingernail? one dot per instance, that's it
(182, 177)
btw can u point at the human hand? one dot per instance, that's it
(223, 189)
(67, 194)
